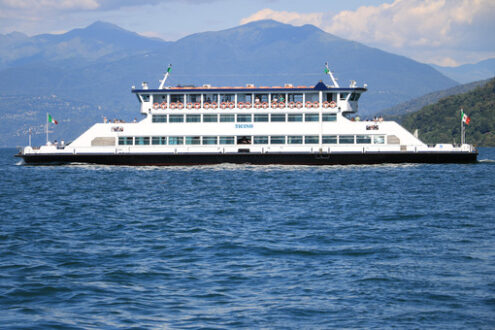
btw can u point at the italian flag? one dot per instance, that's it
(51, 120)
(465, 118)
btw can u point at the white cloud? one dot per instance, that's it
(293, 18)
(439, 31)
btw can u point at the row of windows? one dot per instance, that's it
(243, 118)
(274, 139)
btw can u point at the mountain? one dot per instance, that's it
(469, 72)
(98, 64)
(440, 122)
(402, 109)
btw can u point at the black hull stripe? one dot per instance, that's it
(254, 158)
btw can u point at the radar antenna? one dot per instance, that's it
(327, 71)
(162, 82)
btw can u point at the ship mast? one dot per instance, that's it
(165, 77)
(327, 71)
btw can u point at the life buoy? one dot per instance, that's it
(247, 105)
(231, 105)
(206, 105)
(292, 105)
(257, 105)
(309, 104)
(173, 105)
(281, 105)
(316, 104)
(326, 104)
(299, 105)
(264, 105)
(163, 105)
(274, 105)
(190, 105)
(213, 105)
(180, 105)
(240, 105)
(333, 104)
(223, 105)
(156, 105)
(197, 105)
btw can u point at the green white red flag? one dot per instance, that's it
(51, 120)
(465, 118)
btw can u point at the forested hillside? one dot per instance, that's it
(440, 122)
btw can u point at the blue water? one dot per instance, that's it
(230, 246)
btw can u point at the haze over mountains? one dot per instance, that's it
(97, 65)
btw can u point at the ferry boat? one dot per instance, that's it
(310, 125)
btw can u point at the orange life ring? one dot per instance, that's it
(240, 105)
(264, 105)
(180, 105)
(223, 105)
(247, 105)
(213, 105)
(257, 105)
(190, 105)
(231, 105)
(333, 104)
(163, 105)
(309, 104)
(316, 104)
(326, 104)
(292, 105)
(156, 105)
(281, 105)
(197, 105)
(299, 105)
(173, 105)
(206, 105)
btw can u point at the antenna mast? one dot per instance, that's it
(327, 71)
(165, 77)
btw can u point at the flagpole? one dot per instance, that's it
(462, 127)
(46, 128)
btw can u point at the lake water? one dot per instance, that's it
(235, 246)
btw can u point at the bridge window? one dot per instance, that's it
(343, 96)
(355, 96)
(146, 97)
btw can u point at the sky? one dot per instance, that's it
(443, 32)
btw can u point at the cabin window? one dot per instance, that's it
(260, 117)
(379, 139)
(209, 140)
(363, 139)
(277, 139)
(174, 98)
(142, 140)
(295, 117)
(311, 139)
(209, 98)
(193, 140)
(227, 98)
(260, 98)
(295, 139)
(227, 118)
(329, 139)
(159, 140)
(194, 98)
(244, 118)
(295, 97)
(159, 118)
(311, 117)
(312, 97)
(125, 140)
(355, 96)
(175, 140)
(244, 98)
(346, 139)
(329, 97)
(260, 140)
(343, 96)
(227, 140)
(210, 118)
(329, 117)
(176, 118)
(243, 140)
(193, 118)
(279, 117)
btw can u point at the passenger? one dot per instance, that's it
(105, 120)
